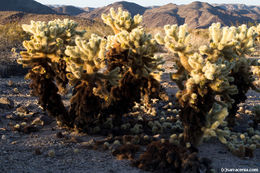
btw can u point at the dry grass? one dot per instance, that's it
(11, 36)
(199, 37)
(12, 33)
(97, 28)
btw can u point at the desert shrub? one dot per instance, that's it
(110, 74)
(45, 56)
(12, 33)
(84, 64)
(213, 79)
(133, 51)
(97, 28)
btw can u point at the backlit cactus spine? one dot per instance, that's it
(85, 63)
(49, 41)
(234, 44)
(200, 80)
(132, 50)
(45, 56)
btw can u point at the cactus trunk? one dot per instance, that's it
(45, 88)
(242, 86)
(85, 107)
(194, 119)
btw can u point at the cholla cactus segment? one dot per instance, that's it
(207, 77)
(177, 40)
(121, 20)
(232, 41)
(215, 117)
(141, 47)
(86, 60)
(258, 32)
(50, 38)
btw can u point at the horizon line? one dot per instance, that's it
(152, 5)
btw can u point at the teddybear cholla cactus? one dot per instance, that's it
(91, 96)
(132, 50)
(200, 80)
(44, 54)
(234, 44)
(48, 43)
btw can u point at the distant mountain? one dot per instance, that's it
(237, 6)
(29, 6)
(129, 6)
(69, 10)
(196, 15)
(25, 18)
(88, 9)
(251, 11)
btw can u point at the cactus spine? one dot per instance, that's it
(132, 50)
(45, 55)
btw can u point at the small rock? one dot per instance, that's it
(6, 103)
(249, 112)
(16, 91)
(42, 120)
(3, 137)
(241, 109)
(10, 116)
(37, 151)
(30, 128)
(14, 142)
(59, 135)
(22, 109)
(51, 153)
(38, 121)
(76, 150)
(10, 83)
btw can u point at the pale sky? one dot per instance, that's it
(100, 3)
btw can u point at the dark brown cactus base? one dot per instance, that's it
(256, 121)
(60, 76)
(242, 86)
(192, 123)
(193, 117)
(86, 108)
(130, 90)
(45, 89)
(167, 157)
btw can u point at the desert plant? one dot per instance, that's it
(45, 56)
(133, 51)
(200, 81)
(234, 44)
(84, 64)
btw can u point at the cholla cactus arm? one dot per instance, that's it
(177, 41)
(141, 48)
(258, 32)
(229, 42)
(86, 59)
(49, 40)
(214, 119)
(121, 20)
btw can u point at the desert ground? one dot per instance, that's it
(49, 148)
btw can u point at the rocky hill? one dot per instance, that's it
(29, 6)
(196, 15)
(88, 9)
(25, 18)
(69, 10)
(129, 6)
(244, 10)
